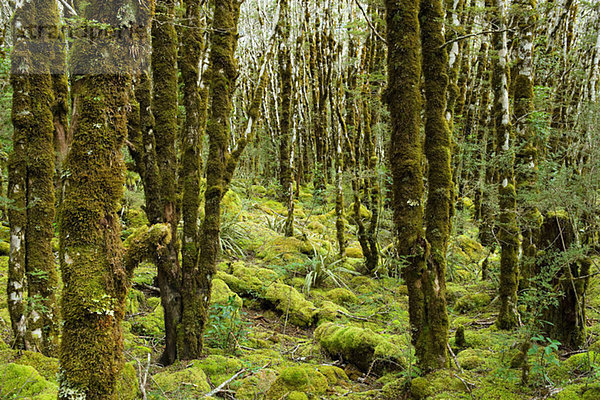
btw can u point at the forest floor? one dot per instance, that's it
(291, 321)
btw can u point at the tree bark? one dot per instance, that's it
(508, 231)
(164, 109)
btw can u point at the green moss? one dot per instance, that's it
(304, 379)
(291, 303)
(221, 293)
(272, 207)
(189, 383)
(219, 368)
(363, 284)
(151, 324)
(334, 375)
(4, 248)
(577, 365)
(286, 249)
(364, 212)
(231, 203)
(459, 337)
(341, 296)
(472, 302)
(328, 311)
(354, 252)
(245, 280)
(470, 359)
(4, 233)
(257, 385)
(134, 218)
(23, 381)
(454, 292)
(363, 347)
(127, 385)
(46, 366)
(442, 381)
(316, 226)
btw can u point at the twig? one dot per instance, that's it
(463, 37)
(454, 357)
(353, 316)
(158, 386)
(227, 382)
(143, 377)
(467, 385)
(370, 23)
(68, 7)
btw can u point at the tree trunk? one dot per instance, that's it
(164, 108)
(526, 158)
(508, 231)
(32, 182)
(406, 157)
(441, 188)
(567, 317)
(95, 278)
(195, 101)
(223, 74)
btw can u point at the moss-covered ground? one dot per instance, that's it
(289, 320)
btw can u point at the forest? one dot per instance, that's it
(299, 199)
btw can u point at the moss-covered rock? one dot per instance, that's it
(335, 375)
(257, 385)
(46, 366)
(363, 285)
(186, 383)
(341, 296)
(25, 382)
(329, 311)
(354, 252)
(579, 365)
(247, 280)
(316, 227)
(472, 302)
(263, 283)
(221, 293)
(362, 347)
(291, 303)
(286, 249)
(219, 368)
(304, 379)
(470, 359)
(442, 381)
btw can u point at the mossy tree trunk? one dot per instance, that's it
(487, 175)
(32, 180)
(221, 84)
(285, 95)
(526, 158)
(23, 122)
(285, 114)
(508, 231)
(195, 100)
(95, 277)
(164, 109)
(439, 207)
(406, 157)
(571, 277)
